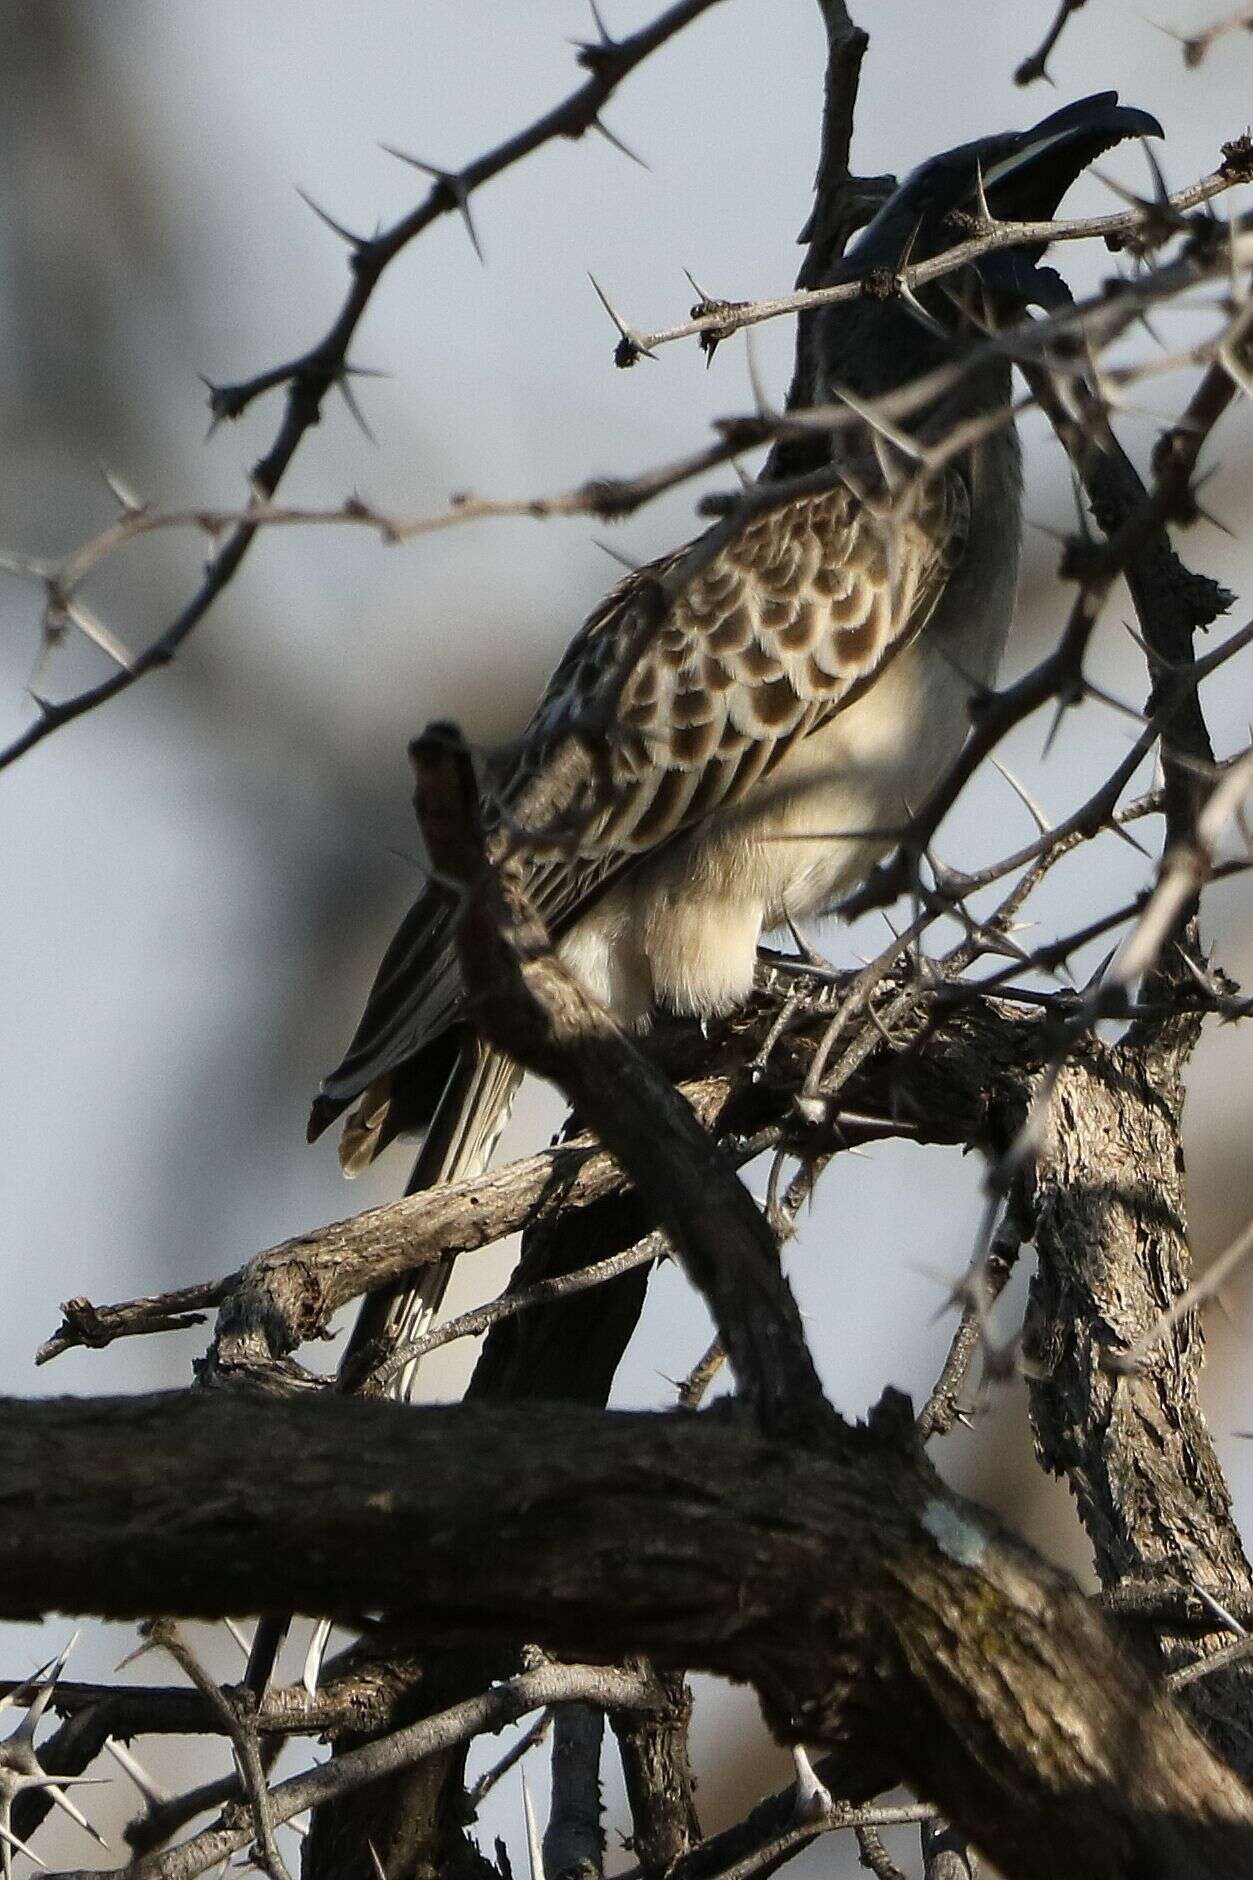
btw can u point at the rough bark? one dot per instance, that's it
(875, 1613)
(1133, 1444)
(658, 1776)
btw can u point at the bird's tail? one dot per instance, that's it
(459, 1144)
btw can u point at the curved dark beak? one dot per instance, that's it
(1027, 182)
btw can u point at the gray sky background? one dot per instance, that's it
(200, 878)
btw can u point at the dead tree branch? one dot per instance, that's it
(846, 1583)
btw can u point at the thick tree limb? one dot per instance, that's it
(1110, 1230)
(1109, 1195)
(867, 1605)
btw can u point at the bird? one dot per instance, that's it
(767, 729)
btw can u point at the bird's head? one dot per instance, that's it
(1021, 176)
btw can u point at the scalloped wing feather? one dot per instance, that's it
(782, 627)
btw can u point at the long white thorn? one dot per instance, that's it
(1024, 795)
(10, 1840)
(534, 1846)
(75, 1813)
(312, 1671)
(237, 1634)
(146, 1783)
(43, 1696)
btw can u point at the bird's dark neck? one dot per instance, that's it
(870, 349)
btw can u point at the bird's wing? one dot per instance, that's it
(781, 628)
(687, 695)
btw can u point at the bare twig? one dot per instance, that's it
(529, 1740)
(981, 1292)
(1114, 229)
(85, 1324)
(480, 1319)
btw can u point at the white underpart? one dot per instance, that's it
(682, 927)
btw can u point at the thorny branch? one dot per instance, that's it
(312, 376)
(1141, 227)
(1127, 228)
(610, 498)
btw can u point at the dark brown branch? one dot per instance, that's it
(842, 202)
(359, 1696)
(523, 1001)
(1171, 602)
(865, 1603)
(658, 1777)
